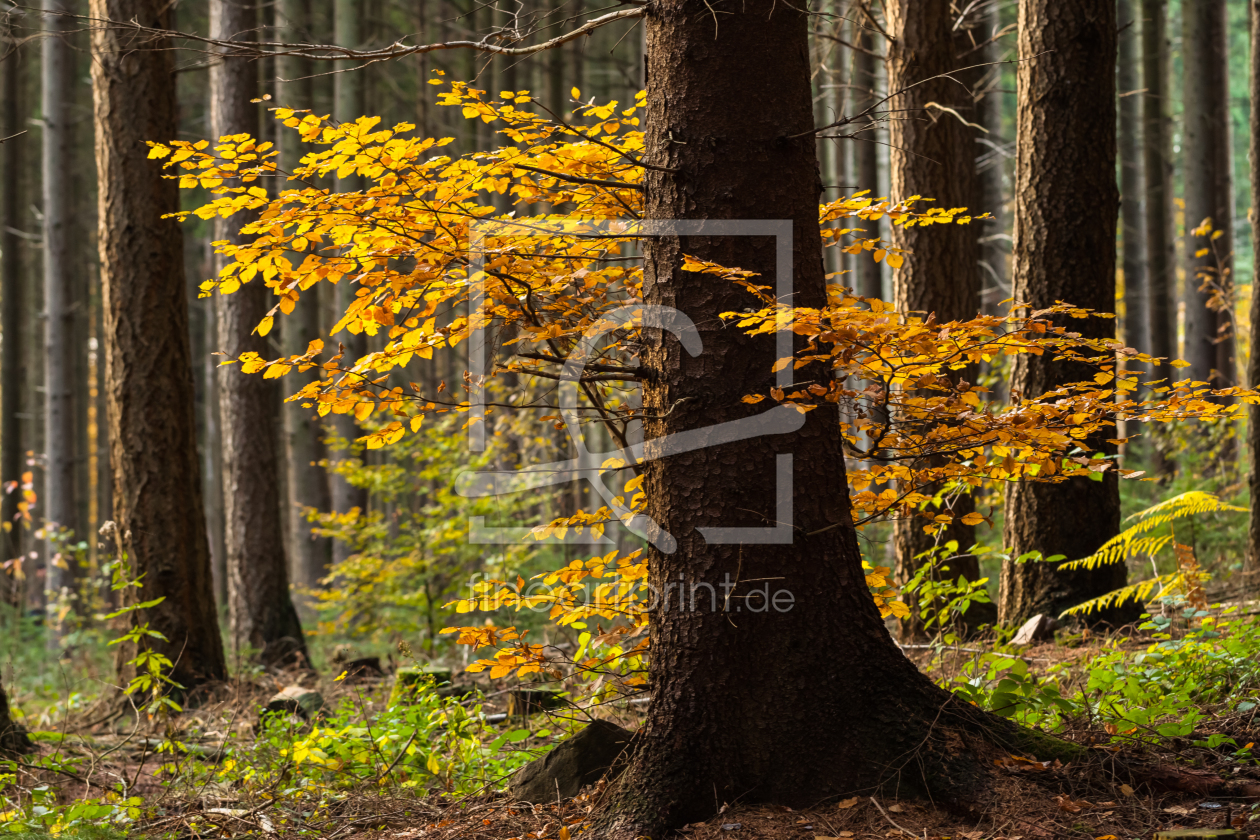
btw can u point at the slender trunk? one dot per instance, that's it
(1157, 165)
(56, 71)
(307, 481)
(1133, 229)
(149, 384)
(347, 99)
(12, 315)
(215, 526)
(557, 92)
(991, 153)
(866, 278)
(261, 616)
(1209, 192)
(1065, 249)
(1253, 358)
(729, 129)
(933, 155)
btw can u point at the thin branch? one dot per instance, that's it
(334, 52)
(598, 182)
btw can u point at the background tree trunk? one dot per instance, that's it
(347, 106)
(1157, 165)
(729, 124)
(149, 385)
(307, 481)
(991, 154)
(260, 611)
(1065, 249)
(13, 314)
(1209, 187)
(933, 154)
(866, 41)
(60, 433)
(13, 739)
(1136, 322)
(1252, 570)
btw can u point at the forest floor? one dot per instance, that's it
(216, 771)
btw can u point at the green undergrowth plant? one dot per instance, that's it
(1201, 665)
(428, 744)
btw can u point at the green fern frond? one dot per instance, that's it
(1131, 542)
(1140, 591)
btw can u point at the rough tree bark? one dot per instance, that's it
(729, 124)
(12, 314)
(1133, 229)
(347, 105)
(1157, 166)
(307, 481)
(1209, 187)
(148, 370)
(1065, 249)
(57, 83)
(261, 615)
(933, 154)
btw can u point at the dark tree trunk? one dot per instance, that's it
(148, 374)
(347, 106)
(1209, 187)
(933, 154)
(12, 315)
(866, 40)
(1157, 165)
(13, 738)
(1065, 249)
(1253, 360)
(307, 481)
(758, 703)
(1132, 228)
(260, 611)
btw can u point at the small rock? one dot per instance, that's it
(581, 760)
(296, 700)
(732, 826)
(523, 702)
(1039, 628)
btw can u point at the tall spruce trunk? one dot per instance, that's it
(759, 703)
(933, 154)
(261, 615)
(60, 287)
(1209, 188)
(307, 481)
(1253, 359)
(12, 315)
(866, 41)
(1133, 223)
(1157, 170)
(148, 370)
(991, 164)
(1065, 249)
(347, 106)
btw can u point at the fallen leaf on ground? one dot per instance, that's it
(1072, 806)
(847, 803)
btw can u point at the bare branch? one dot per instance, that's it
(334, 52)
